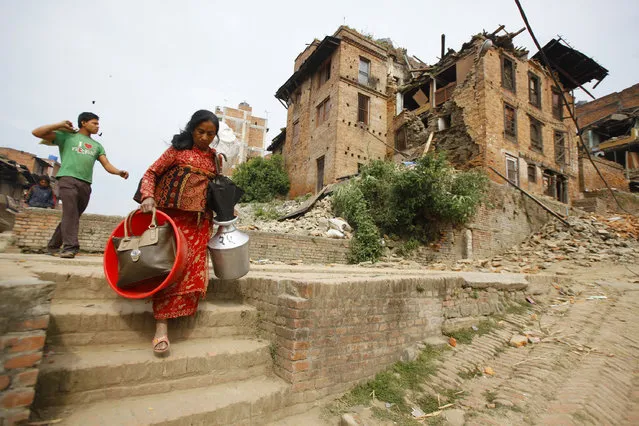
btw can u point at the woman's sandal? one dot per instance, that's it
(156, 343)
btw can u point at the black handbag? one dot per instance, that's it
(222, 194)
(149, 256)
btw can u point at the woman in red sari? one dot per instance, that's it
(176, 183)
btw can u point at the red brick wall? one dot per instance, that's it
(331, 333)
(25, 317)
(34, 227)
(611, 171)
(609, 104)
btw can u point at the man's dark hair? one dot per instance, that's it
(86, 116)
(184, 139)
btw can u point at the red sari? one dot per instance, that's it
(181, 298)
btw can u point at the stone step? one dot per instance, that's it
(86, 281)
(250, 402)
(90, 322)
(124, 370)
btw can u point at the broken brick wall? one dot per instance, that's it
(589, 179)
(603, 200)
(602, 107)
(506, 219)
(25, 305)
(460, 148)
(466, 112)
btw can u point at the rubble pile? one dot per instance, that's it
(588, 240)
(319, 221)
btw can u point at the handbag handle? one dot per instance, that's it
(127, 224)
(217, 158)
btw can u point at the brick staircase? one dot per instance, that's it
(100, 369)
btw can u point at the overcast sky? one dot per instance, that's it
(148, 65)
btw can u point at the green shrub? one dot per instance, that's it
(262, 179)
(266, 213)
(349, 203)
(409, 202)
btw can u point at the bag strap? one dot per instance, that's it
(218, 163)
(127, 224)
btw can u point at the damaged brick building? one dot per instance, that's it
(610, 128)
(337, 100)
(353, 99)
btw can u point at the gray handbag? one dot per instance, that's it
(149, 256)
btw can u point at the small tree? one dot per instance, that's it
(262, 179)
(407, 202)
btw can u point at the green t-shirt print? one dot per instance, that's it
(77, 155)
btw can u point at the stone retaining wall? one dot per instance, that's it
(506, 219)
(24, 305)
(34, 227)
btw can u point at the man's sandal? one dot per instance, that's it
(156, 343)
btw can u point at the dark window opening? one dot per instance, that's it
(446, 83)
(359, 168)
(363, 105)
(557, 110)
(532, 173)
(555, 186)
(510, 122)
(320, 174)
(536, 141)
(324, 74)
(417, 97)
(508, 74)
(534, 90)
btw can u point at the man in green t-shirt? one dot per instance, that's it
(78, 153)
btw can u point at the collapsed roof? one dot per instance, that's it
(574, 68)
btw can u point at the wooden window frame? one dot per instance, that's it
(534, 85)
(558, 109)
(323, 111)
(507, 132)
(504, 61)
(532, 168)
(539, 144)
(561, 147)
(363, 112)
(515, 161)
(360, 75)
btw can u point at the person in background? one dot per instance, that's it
(41, 195)
(176, 183)
(78, 154)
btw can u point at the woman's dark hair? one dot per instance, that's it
(184, 139)
(86, 116)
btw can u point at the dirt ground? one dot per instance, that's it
(582, 366)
